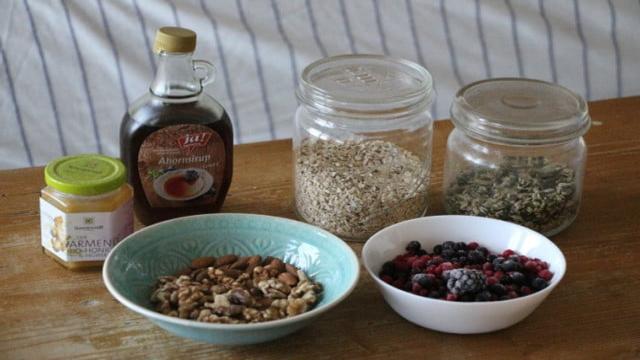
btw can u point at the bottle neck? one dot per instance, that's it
(175, 76)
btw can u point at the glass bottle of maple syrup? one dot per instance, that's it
(176, 141)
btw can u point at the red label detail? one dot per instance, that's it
(190, 141)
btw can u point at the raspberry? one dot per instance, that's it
(472, 245)
(445, 266)
(386, 278)
(452, 297)
(545, 274)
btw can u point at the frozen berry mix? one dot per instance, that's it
(457, 271)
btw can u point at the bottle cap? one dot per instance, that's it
(175, 40)
(85, 175)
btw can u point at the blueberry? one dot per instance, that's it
(423, 280)
(483, 250)
(510, 265)
(448, 253)
(515, 258)
(491, 257)
(437, 249)
(497, 262)
(388, 268)
(462, 260)
(448, 245)
(498, 289)
(483, 296)
(538, 284)
(517, 277)
(434, 294)
(413, 246)
(476, 257)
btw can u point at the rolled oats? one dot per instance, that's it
(355, 188)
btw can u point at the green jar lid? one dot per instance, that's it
(87, 174)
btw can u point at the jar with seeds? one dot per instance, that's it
(362, 143)
(517, 153)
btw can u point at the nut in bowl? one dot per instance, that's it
(142, 271)
(455, 316)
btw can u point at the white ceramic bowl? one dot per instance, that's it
(460, 317)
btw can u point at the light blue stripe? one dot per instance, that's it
(585, 51)
(174, 12)
(85, 81)
(116, 56)
(552, 54)
(225, 71)
(147, 42)
(14, 100)
(483, 41)
(314, 28)
(256, 57)
(452, 52)
(347, 26)
(47, 80)
(418, 49)
(616, 48)
(383, 39)
(514, 34)
(285, 38)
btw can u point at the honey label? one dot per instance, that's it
(87, 236)
(181, 165)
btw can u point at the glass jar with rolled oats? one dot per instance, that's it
(362, 143)
(517, 153)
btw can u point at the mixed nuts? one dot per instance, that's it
(231, 289)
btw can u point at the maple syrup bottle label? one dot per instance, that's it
(181, 165)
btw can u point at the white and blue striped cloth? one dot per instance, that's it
(70, 68)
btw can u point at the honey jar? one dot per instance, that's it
(85, 209)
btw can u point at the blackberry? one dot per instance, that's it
(476, 257)
(464, 281)
(413, 246)
(483, 296)
(461, 246)
(498, 289)
(388, 268)
(448, 245)
(437, 249)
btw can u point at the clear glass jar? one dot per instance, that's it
(362, 143)
(517, 153)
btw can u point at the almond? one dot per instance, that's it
(202, 262)
(226, 260)
(291, 269)
(277, 264)
(288, 278)
(240, 264)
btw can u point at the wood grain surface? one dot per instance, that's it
(49, 312)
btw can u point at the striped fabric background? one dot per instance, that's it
(70, 68)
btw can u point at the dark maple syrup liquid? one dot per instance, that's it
(154, 115)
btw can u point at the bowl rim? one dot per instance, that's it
(558, 276)
(153, 315)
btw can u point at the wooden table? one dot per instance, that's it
(49, 312)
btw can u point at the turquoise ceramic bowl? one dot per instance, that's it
(133, 266)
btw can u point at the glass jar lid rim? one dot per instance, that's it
(520, 110)
(364, 83)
